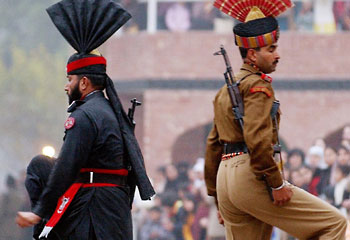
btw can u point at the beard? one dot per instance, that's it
(75, 95)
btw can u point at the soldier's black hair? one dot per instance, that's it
(97, 80)
(244, 51)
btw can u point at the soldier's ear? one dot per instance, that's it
(251, 55)
(84, 82)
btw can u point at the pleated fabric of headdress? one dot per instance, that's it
(258, 27)
(86, 24)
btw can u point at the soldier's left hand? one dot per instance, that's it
(282, 196)
(27, 219)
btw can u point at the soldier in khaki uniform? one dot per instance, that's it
(234, 174)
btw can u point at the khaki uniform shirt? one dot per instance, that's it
(259, 131)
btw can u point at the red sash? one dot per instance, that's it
(68, 196)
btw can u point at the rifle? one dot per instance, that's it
(131, 111)
(131, 176)
(233, 88)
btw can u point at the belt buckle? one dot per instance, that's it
(91, 177)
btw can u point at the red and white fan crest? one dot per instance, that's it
(239, 9)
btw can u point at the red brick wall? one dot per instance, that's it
(307, 115)
(190, 55)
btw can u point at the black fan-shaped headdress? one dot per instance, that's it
(86, 24)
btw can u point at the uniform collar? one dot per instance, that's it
(74, 105)
(92, 95)
(77, 103)
(250, 68)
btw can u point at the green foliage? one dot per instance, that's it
(32, 93)
(33, 103)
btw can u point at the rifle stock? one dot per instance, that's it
(131, 111)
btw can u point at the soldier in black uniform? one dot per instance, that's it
(91, 186)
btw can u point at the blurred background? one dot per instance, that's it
(164, 58)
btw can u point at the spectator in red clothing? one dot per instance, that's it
(307, 173)
(314, 160)
(342, 15)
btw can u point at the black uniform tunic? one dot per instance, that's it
(94, 141)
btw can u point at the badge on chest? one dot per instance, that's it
(69, 123)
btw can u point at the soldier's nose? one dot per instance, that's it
(277, 56)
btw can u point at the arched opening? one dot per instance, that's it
(191, 145)
(334, 138)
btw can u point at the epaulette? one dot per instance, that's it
(74, 105)
(261, 89)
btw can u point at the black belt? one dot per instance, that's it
(235, 147)
(93, 177)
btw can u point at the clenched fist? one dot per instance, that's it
(27, 219)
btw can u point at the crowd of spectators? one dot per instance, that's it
(320, 16)
(323, 171)
(182, 210)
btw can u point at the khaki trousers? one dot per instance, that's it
(249, 213)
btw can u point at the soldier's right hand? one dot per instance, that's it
(27, 219)
(282, 196)
(220, 219)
